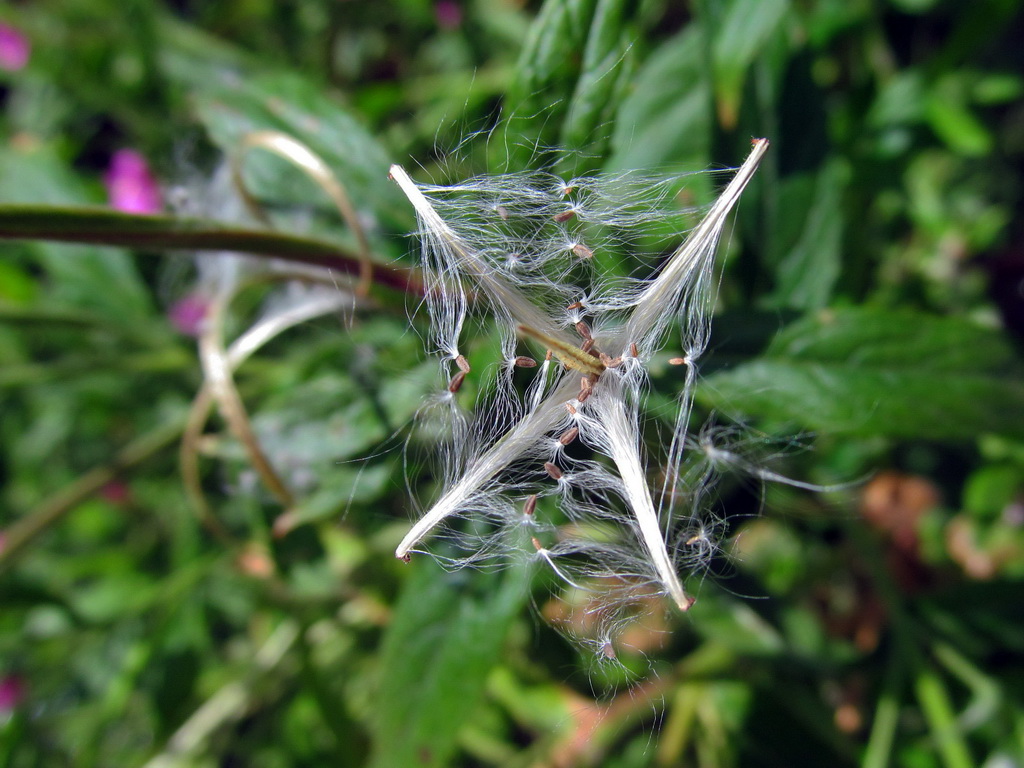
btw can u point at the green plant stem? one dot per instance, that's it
(938, 711)
(886, 722)
(47, 514)
(101, 226)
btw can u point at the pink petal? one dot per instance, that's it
(14, 48)
(188, 313)
(131, 186)
(12, 690)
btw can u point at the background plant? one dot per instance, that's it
(870, 296)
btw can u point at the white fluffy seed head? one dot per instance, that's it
(534, 250)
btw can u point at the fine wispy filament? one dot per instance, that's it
(529, 247)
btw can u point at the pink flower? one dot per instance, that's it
(12, 690)
(14, 48)
(448, 14)
(187, 314)
(131, 185)
(116, 492)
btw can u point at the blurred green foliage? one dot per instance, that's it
(871, 295)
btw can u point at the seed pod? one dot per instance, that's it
(633, 350)
(463, 364)
(564, 216)
(584, 330)
(588, 346)
(575, 305)
(582, 251)
(525, 362)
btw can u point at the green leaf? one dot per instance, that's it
(950, 117)
(445, 636)
(744, 31)
(606, 65)
(666, 120)
(102, 280)
(555, 39)
(239, 98)
(874, 372)
(806, 248)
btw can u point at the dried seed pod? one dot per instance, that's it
(456, 383)
(553, 470)
(525, 362)
(569, 435)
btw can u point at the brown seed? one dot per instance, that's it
(547, 356)
(553, 470)
(583, 330)
(569, 436)
(456, 383)
(608, 651)
(564, 216)
(463, 364)
(525, 362)
(575, 305)
(677, 361)
(610, 362)
(536, 544)
(583, 396)
(569, 407)
(530, 505)
(588, 346)
(633, 350)
(582, 251)
(502, 211)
